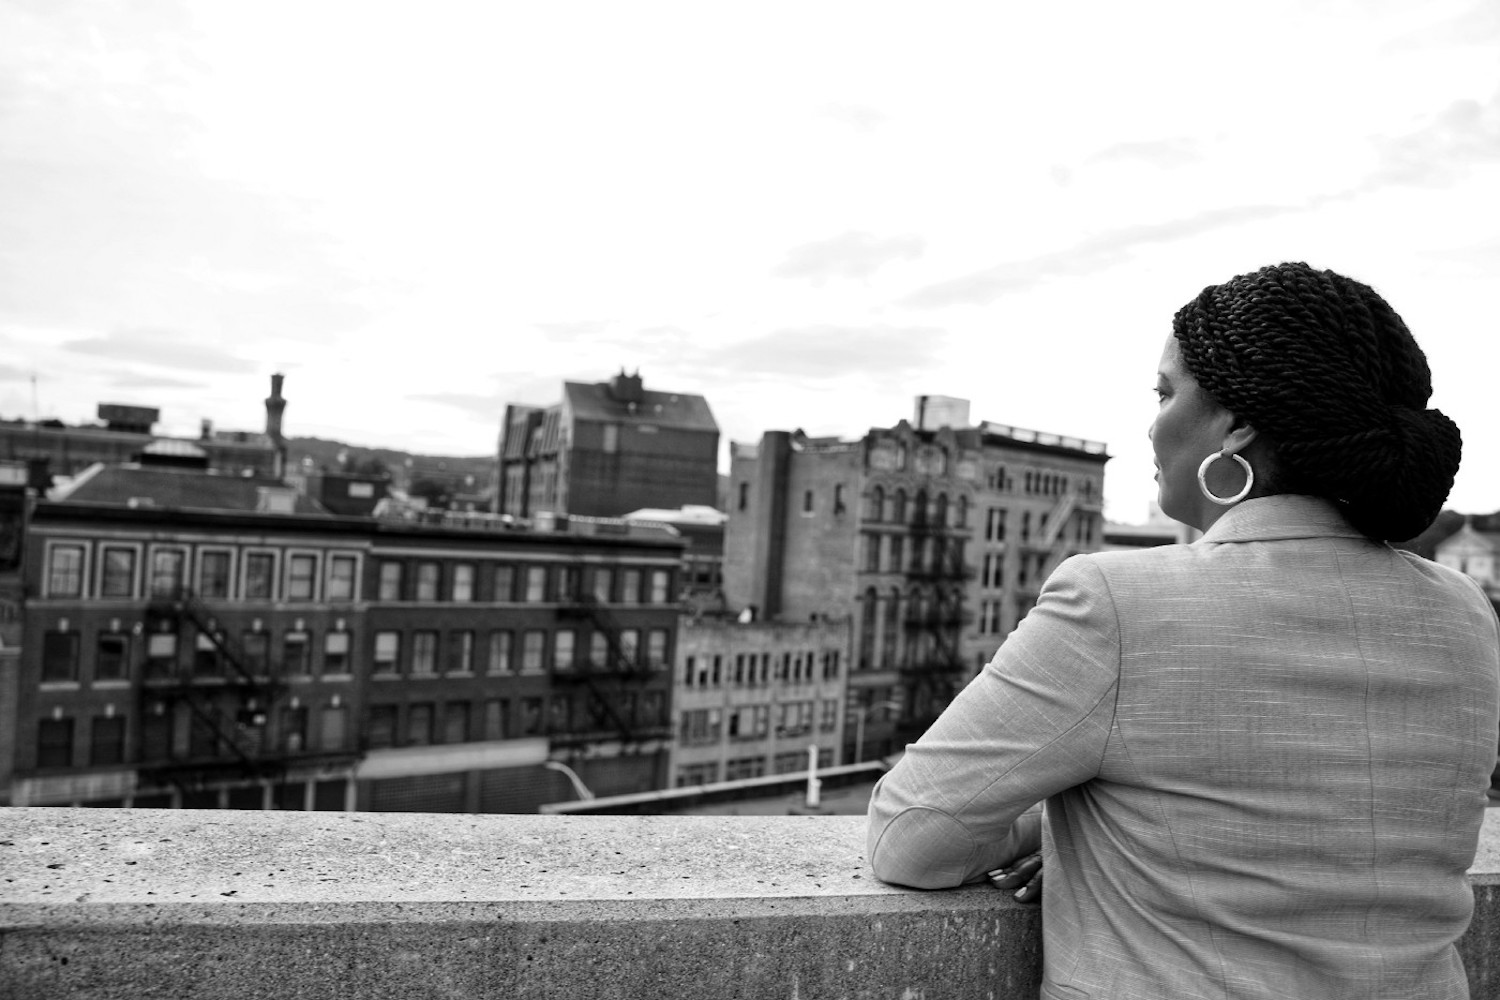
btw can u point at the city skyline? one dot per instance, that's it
(807, 215)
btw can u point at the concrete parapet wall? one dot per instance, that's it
(157, 903)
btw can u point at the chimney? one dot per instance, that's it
(206, 429)
(627, 388)
(274, 407)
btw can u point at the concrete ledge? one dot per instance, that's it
(157, 903)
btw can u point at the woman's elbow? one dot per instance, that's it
(920, 849)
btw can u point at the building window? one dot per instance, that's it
(456, 722)
(301, 577)
(161, 655)
(661, 584)
(874, 504)
(807, 501)
(390, 581)
(427, 581)
(630, 587)
(697, 774)
(206, 656)
(701, 726)
(54, 743)
(462, 586)
(167, 567)
(336, 653)
(260, 576)
(424, 652)
(898, 507)
(531, 716)
(213, 575)
(566, 584)
(599, 650)
(107, 740)
(611, 439)
(294, 654)
(743, 500)
(564, 648)
(828, 715)
(294, 728)
(382, 727)
(744, 767)
(533, 645)
(112, 657)
(419, 724)
(496, 718)
(256, 647)
(333, 727)
(536, 584)
(500, 644)
(341, 574)
(117, 577)
(505, 582)
(604, 581)
(630, 647)
(59, 657)
(387, 652)
(461, 652)
(656, 649)
(65, 571)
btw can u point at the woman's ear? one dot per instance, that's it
(1240, 436)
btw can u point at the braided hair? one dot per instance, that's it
(1323, 367)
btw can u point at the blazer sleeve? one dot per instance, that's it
(1033, 723)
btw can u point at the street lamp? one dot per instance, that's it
(859, 725)
(584, 794)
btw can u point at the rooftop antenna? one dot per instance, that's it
(35, 411)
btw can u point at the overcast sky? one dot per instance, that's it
(807, 212)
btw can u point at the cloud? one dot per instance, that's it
(852, 255)
(824, 350)
(570, 331)
(1464, 134)
(163, 348)
(1107, 249)
(860, 117)
(1164, 153)
(488, 406)
(152, 382)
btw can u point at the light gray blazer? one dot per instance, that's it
(1263, 757)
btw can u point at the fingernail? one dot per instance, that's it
(1022, 891)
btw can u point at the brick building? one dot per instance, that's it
(607, 449)
(750, 697)
(199, 640)
(932, 537)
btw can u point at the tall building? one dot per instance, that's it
(202, 640)
(933, 537)
(607, 449)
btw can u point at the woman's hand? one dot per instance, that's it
(1023, 872)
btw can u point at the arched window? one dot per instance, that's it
(919, 508)
(961, 517)
(875, 503)
(898, 507)
(940, 515)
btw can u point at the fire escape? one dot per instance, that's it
(611, 682)
(226, 703)
(934, 619)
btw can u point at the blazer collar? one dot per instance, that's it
(1285, 515)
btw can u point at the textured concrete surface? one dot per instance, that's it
(155, 903)
(109, 903)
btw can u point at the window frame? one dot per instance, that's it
(252, 557)
(315, 568)
(136, 562)
(80, 573)
(200, 576)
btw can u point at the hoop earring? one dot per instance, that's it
(1225, 501)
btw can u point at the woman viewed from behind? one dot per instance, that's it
(1263, 756)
